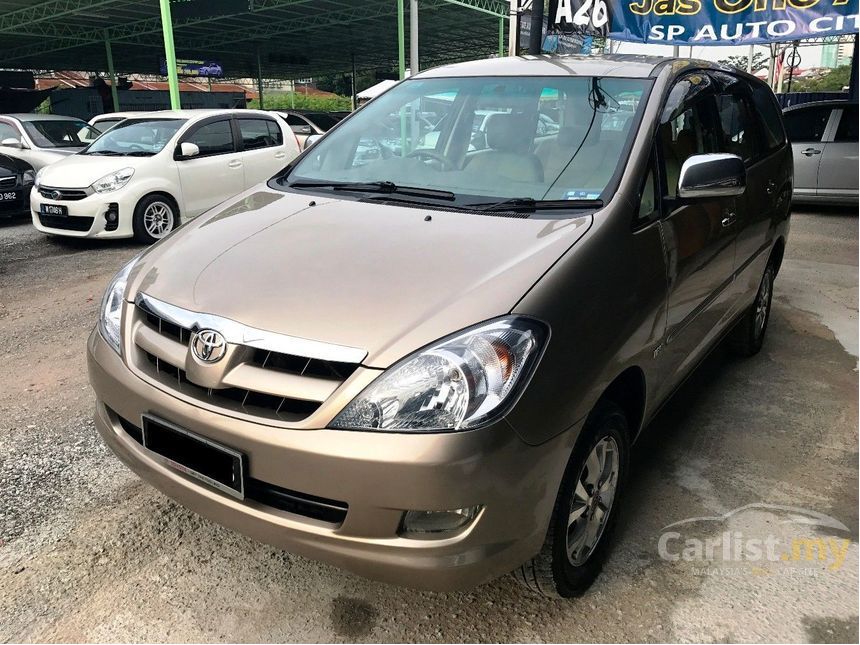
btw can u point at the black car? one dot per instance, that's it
(16, 179)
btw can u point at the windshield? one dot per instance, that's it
(103, 125)
(323, 120)
(139, 137)
(60, 134)
(495, 138)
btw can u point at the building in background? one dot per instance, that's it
(836, 54)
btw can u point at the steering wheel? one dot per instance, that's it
(136, 147)
(447, 164)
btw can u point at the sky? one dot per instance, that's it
(810, 55)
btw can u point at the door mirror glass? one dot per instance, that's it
(188, 149)
(12, 143)
(712, 175)
(311, 140)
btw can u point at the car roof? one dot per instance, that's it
(827, 103)
(30, 116)
(196, 114)
(118, 115)
(620, 65)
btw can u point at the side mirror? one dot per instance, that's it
(311, 140)
(712, 175)
(12, 142)
(301, 129)
(188, 149)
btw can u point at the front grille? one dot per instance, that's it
(266, 384)
(318, 508)
(63, 194)
(8, 182)
(66, 223)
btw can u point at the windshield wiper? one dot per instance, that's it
(106, 153)
(530, 205)
(139, 153)
(385, 187)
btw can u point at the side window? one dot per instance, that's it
(9, 132)
(737, 127)
(648, 198)
(256, 133)
(847, 130)
(214, 138)
(298, 124)
(769, 115)
(686, 127)
(275, 133)
(807, 125)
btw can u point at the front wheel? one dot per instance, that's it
(154, 217)
(748, 336)
(586, 509)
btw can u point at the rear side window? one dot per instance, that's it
(768, 112)
(847, 130)
(806, 125)
(259, 133)
(737, 127)
(213, 138)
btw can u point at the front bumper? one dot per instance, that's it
(86, 217)
(379, 475)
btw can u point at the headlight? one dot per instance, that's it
(28, 178)
(113, 181)
(38, 180)
(459, 383)
(111, 309)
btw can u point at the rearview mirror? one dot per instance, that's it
(311, 140)
(712, 175)
(188, 149)
(11, 142)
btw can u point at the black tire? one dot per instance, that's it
(747, 337)
(551, 573)
(139, 225)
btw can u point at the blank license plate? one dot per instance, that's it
(210, 462)
(54, 209)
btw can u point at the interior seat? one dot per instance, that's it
(508, 156)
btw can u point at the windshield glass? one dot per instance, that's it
(60, 134)
(323, 121)
(136, 136)
(541, 138)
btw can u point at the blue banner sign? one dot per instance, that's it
(195, 68)
(706, 22)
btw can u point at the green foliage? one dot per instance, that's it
(832, 82)
(342, 83)
(740, 62)
(300, 101)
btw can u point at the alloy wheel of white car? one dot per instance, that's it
(158, 219)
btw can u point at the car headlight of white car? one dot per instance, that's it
(113, 181)
(38, 180)
(110, 316)
(459, 383)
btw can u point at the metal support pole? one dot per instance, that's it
(413, 37)
(354, 99)
(113, 90)
(676, 51)
(852, 82)
(513, 27)
(401, 44)
(501, 36)
(750, 59)
(536, 31)
(170, 54)
(259, 77)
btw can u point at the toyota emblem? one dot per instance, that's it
(208, 345)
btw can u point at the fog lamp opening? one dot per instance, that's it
(429, 522)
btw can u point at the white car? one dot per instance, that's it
(145, 175)
(42, 139)
(104, 122)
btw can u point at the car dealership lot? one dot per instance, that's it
(89, 552)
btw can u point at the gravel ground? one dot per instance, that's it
(90, 553)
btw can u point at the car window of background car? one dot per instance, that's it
(737, 132)
(9, 132)
(487, 136)
(213, 138)
(60, 134)
(259, 133)
(769, 116)
(323, 121)
(146, 135)
(298, 124)
(807, 125)
(105, 124)
(847, 130)
(689, 130)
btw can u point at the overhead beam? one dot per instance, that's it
(491, 7)
(20, 18)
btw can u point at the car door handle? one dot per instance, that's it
(280, 155)
(728, 220)
(810, 151)
(235, 164)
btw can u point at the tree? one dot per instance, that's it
(838, 78)
(759, 62)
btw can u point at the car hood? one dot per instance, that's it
(79, 171)
(385, 279)
(10, 166)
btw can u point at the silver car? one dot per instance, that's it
(42, 139)
(823, 138)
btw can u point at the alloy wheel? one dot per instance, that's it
(158, 219)
(762, 303)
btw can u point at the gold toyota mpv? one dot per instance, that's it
(423, 350)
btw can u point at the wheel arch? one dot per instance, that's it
(777, 253)
(166, 194)
(628, 390)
